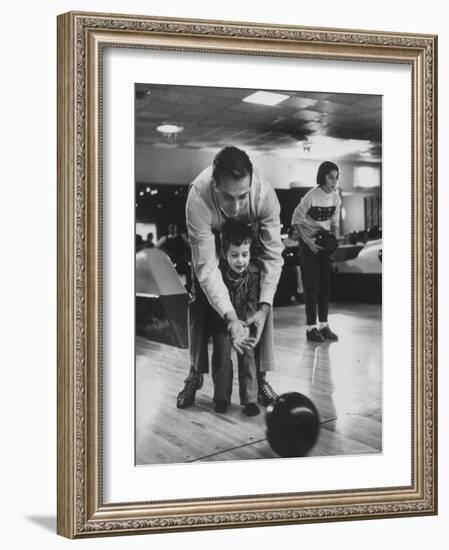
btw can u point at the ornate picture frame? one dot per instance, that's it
(82, 40)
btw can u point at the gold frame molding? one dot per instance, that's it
(81, 37)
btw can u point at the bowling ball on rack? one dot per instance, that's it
(292, 425)
(327, 241)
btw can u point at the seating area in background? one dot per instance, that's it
(357, 268)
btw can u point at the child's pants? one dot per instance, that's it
(316, 271)
(200, 330)
(222, 371)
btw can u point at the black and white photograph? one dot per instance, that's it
(258, 274)
(247, 284)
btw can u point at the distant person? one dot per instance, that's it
(292, 272)
(242, 279)
(231, 189)
(174, 244)
(150, 240)
(290, 240)
(318, 210)
(374, 233)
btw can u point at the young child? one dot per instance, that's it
(242, 278)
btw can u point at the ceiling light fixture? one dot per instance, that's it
(265, 98)
(169, 129)
(307, 146)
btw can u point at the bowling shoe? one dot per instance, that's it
(314, 335)
(328, 334)
(266, 393)
(186, 397)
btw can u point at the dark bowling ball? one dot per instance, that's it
(292, 425)
(327, 241)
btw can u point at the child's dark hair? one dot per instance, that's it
(324, 169)
(236, 233)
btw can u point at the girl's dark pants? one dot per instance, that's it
(315, 271)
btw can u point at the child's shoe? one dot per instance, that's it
(221, 407)
(328, 334)
(251, 409)
(314, 335)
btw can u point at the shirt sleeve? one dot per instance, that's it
(271, 244)
(204, 255)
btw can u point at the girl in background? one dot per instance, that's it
(317, 212)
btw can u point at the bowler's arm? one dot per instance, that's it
(204, 256)
(270, 238)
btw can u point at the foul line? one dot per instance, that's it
(227, 450)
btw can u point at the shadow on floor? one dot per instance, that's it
(46, 522)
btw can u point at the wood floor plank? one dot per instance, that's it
(343, 379)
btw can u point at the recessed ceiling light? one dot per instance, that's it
(265, 98)
(169, 129)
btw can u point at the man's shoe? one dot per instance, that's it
(221, 407)
(314, 335)
(251, 409)
(266, 394)
(186, 397)
(328, 334)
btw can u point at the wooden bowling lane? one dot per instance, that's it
(191, 434)
(343, 379)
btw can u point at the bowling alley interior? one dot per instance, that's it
(287, 135)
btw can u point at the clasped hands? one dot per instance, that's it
(245, 335)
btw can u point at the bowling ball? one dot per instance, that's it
(327, 241)
(292, 425)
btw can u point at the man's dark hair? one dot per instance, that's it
(236, 233)
(324, 169)
(231, 162)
